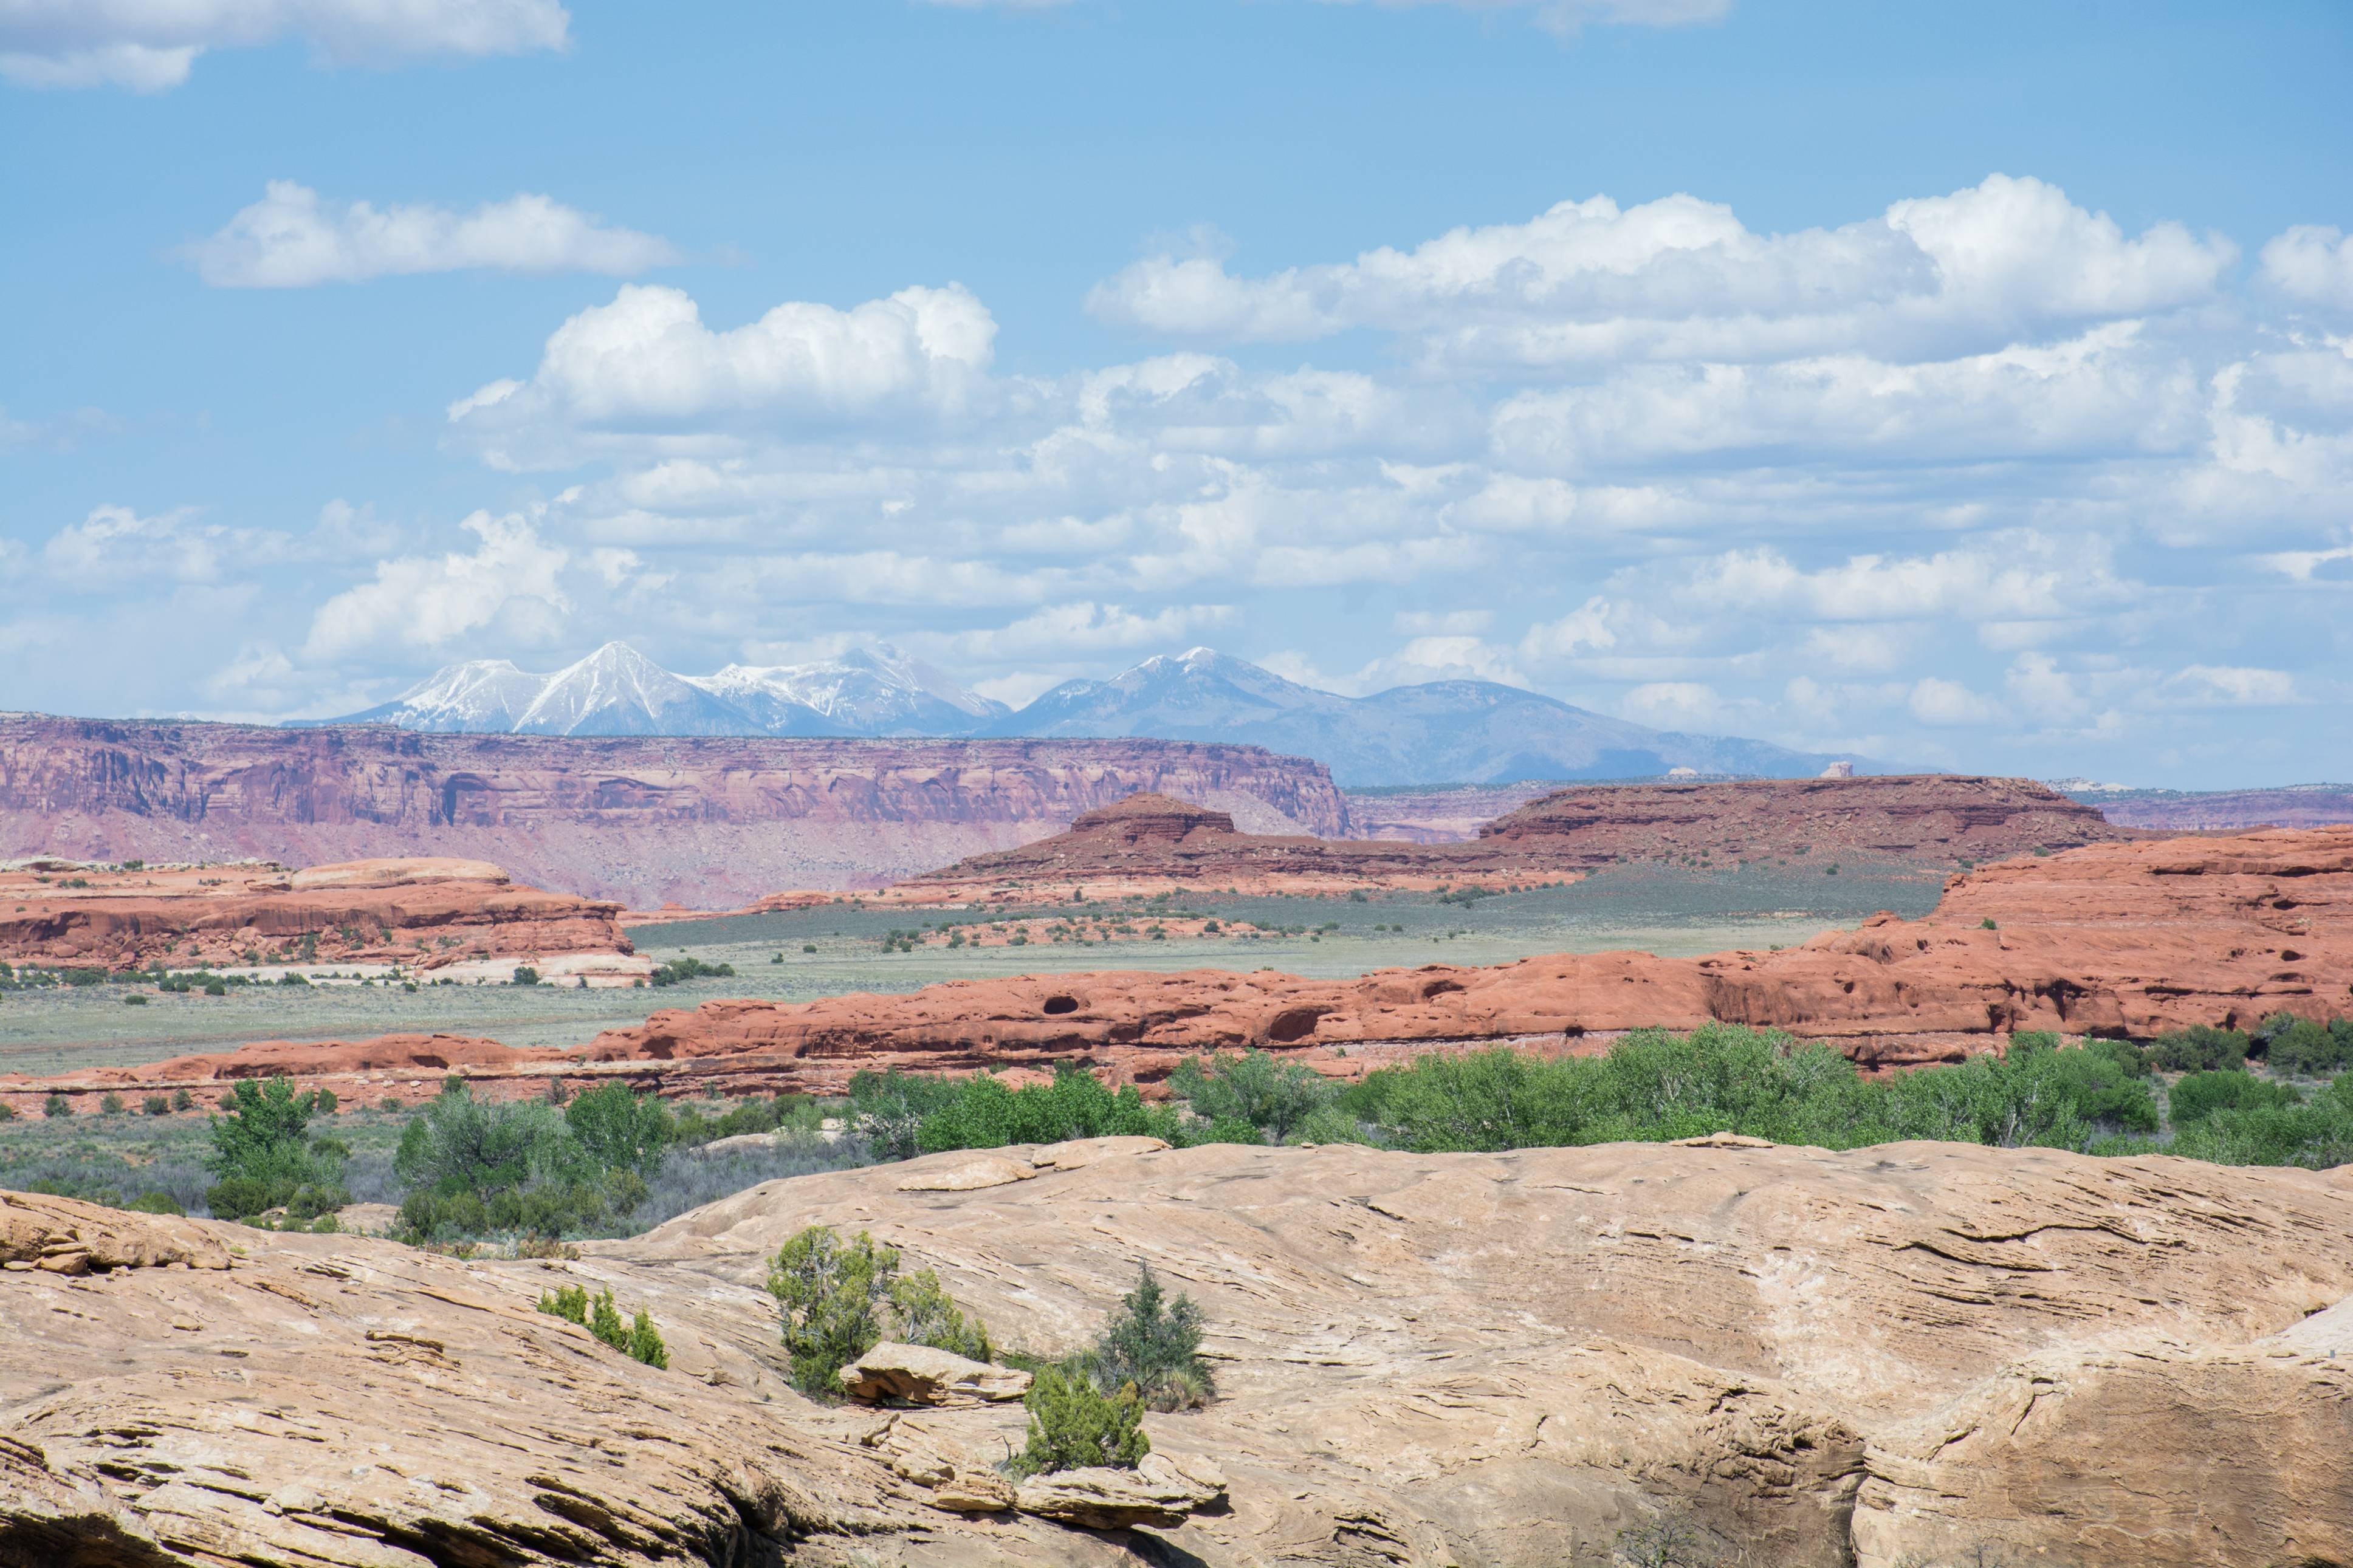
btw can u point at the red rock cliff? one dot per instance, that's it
(710, 822)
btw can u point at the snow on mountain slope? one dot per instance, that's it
(882, 692)
(1466, 732)
(617, 690)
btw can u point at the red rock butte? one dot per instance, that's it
(2123, 939)
(1150, 841)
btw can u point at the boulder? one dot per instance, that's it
(968, 1175)
(924, 1375)
(1155, 1492)
(1080, 1153)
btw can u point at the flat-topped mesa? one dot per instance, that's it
(1931, 816)
(714, 821)
(1150, 818)
(458, 918)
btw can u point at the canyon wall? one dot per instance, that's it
(707, 822)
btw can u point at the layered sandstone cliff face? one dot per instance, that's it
(710, 822)
(1915, 1354)
(424, 915)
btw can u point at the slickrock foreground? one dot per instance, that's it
(1907, 1354)
(443, 916)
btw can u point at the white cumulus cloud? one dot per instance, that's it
(150, 45)
(2312, 264)
(293, 239)
(1680, 278)
(647, 361)
(512, 580)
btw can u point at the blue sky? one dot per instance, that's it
(1962, 385)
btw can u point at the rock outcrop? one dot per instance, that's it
(463, 919)
(1912, 1353)
(2126, 939)
(1150, 843)
(1934, 818)
(922, 1375)
(710, 822)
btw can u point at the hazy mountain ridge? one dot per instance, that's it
(1450, 731)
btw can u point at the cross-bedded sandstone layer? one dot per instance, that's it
(429, 916)
(708, 822)
(1910, 1353)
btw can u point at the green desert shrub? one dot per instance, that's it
(265, 1155)
(2198, 1048)
(2197, 1095)
(1074, 1425)
(156, 1105)
(57, 1105)
(1153, 1344)
(619, 1128)
(840, 1300)
(985, 1114)
(888, 1109)
(1271, 1095)
(2304, 1048)
(156, 1203)
(638, 1338)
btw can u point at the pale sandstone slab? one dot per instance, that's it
(922, 1375)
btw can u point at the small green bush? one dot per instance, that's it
(525, 975)
(57, 1105)
(182, 1100)
(111, 1105)
(135, 999)
(569, 1302)
(156, 1105)
(156, 1203)
(1153, 1344)
(1073, 1426)
(605, 1321)
(645, 1343)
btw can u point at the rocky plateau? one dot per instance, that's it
(711, 822)
(447, 918)
(2120, 938)
(1150, 843)
(1915, 1353)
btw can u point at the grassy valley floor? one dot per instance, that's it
(1672, 911)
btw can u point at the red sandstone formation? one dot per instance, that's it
(1932, 818)
(446, 916)
(710, 822)
(1148, 843)
(2230, 811)
(2113, 939)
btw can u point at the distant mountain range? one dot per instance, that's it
(1469, 732)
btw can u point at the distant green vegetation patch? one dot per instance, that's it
(2106, 1097)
